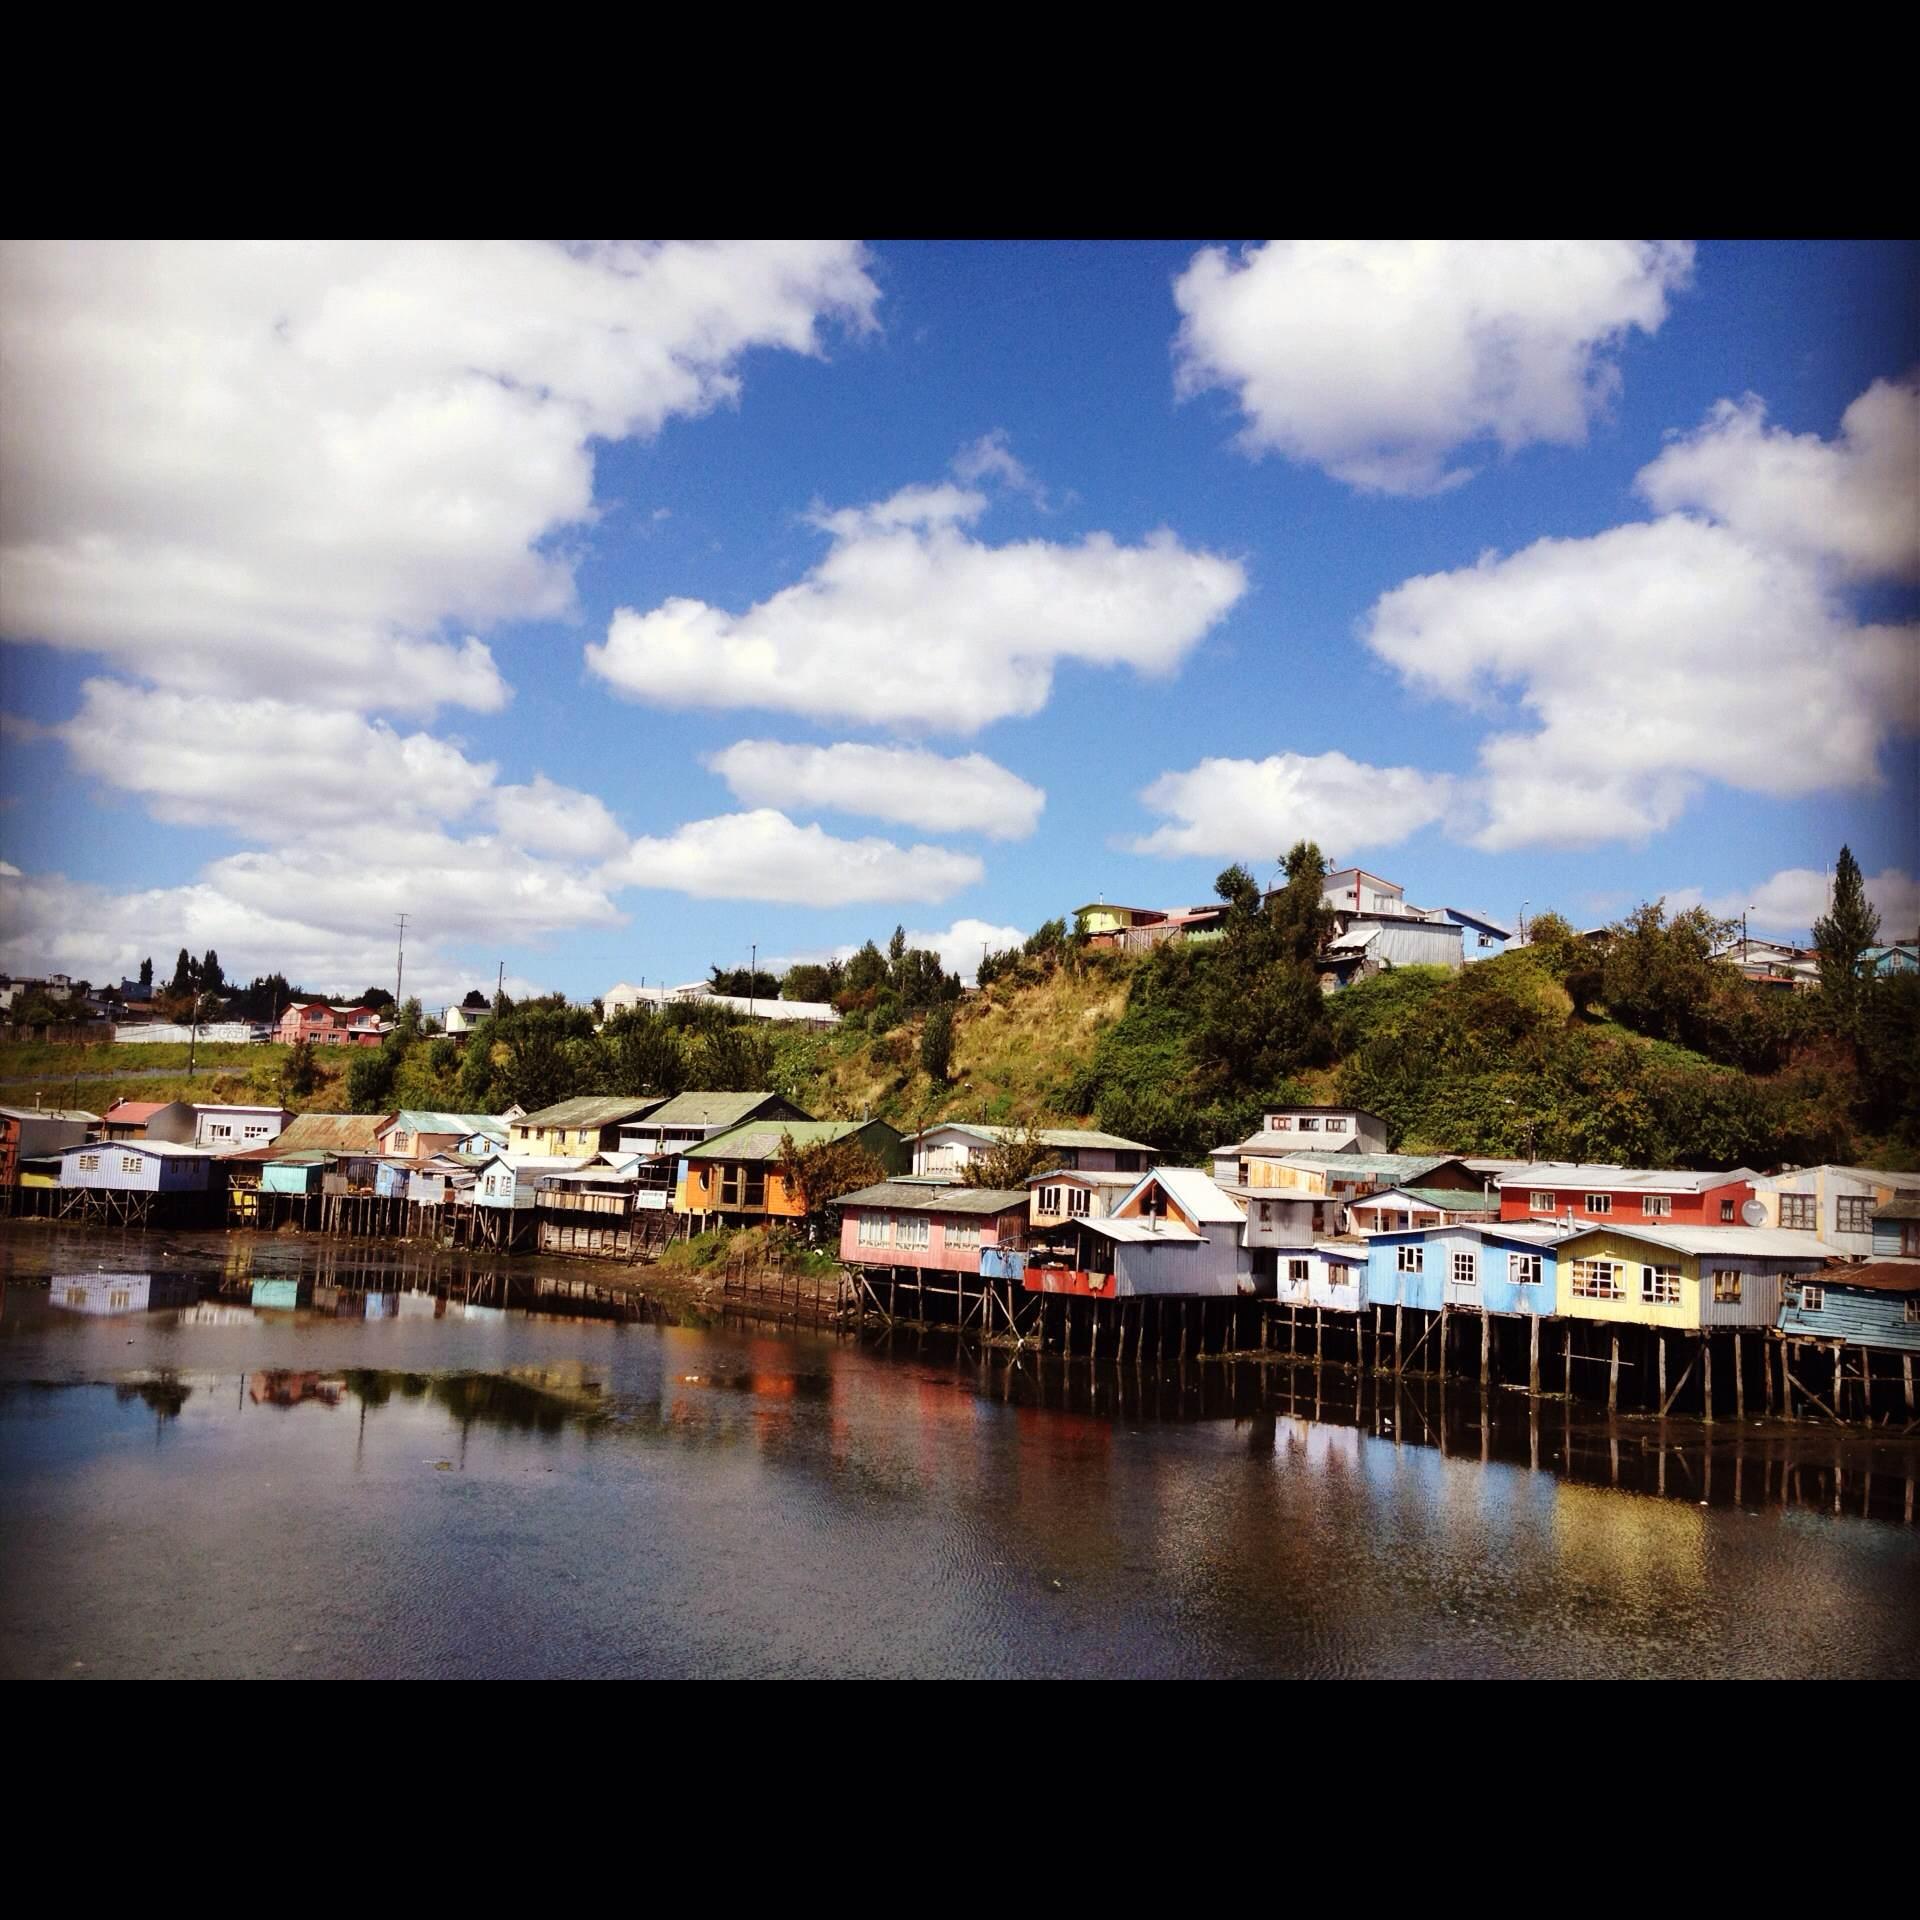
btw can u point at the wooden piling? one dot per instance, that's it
(1533, 1373)
(1613, 1377)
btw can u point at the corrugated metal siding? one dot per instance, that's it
(1854, 1316)
(1213, 1269)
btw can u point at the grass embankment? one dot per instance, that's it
(1018, 1051)
(92, 1077)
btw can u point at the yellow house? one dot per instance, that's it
(1686, 1277)
(1101, 918)
(575, 1129)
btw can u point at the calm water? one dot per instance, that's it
(219, 1489)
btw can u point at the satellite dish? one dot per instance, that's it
(1754, 1214)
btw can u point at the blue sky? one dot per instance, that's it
(338, 582)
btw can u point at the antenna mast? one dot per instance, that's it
(400, 965)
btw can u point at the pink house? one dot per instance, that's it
(326, 1026)
(902, 1223)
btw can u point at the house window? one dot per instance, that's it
(910, 1230)
(743, 1186)
(1726, 1288)
(89, 1163)
(1799, 1210)
(1465, 1270)
(873, 1229)
(1910, 1237)
(1337, 1275)
(118, 1298)
(1266, 1213)
(1910, 1311)
(1812, 1299)
(1049, 1199)
(1660, 1286)
(130, 1163)
(1656, 1206)
(1523, 1269)
(220, 1132)
(258, 1131)
(1079, 1202)
(1854, 1209)
(1540, 1202)
(1297, 1271)
(1599, 1203)
(963, 1233)
(1309, 1126)
(1336, 1126)
(1280, 1122)
(1596, 1279)
(1726, 1210)
(1412, 1259)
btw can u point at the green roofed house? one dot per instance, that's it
(1403, 1209)
(737, 1176)
(413, 1134)
(689, 1118)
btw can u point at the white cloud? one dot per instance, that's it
(1378, 360)
(1794, 898)
(991, 457)
(264, 767)
(1258, 808)
(548, 818)
(959, 946)
(763, 855)
(910, 621)
(250, 468)
(1854, 500)
(1653, 658)
(968, 793)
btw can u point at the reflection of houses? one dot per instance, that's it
(1176, 1233)
(1836, 1203)
(947, 1147)
(111, 1293)
(1549, 1189)
(738, 1176)
(280, 1388)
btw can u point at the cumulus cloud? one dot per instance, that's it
(548, 818)
(908, 620)
(960, 945)
(198, 760)
(1259, 808)
(762, 855)
(240, 467)
(969, 793)
(1794, 898)
(1854, 501)
(1652, 658)
(991, 457)
(1379, 360)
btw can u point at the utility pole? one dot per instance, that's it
(753, 974)
(399, 965)
(500, 987)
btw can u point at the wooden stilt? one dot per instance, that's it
(1662, 1339)
(1706, 1375)
(1486, 1348)
(1533, 1372)
(1739, 1381)
(1398, 1353)
(1613, 1377)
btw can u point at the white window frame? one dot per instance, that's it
(1656, 1206)
(1600, 1203)
(963, 1233)
(131, 1163)
(1336, 1126)
(1597, 1280)
(1541, 1202)
(1523, 1269)
(1465, 1270)
(872, 1228)
(1079, 1203)
(911, 1232)
(1411, 1260)
(1910, 1312)
(1660, 1286)
(1813, 1299)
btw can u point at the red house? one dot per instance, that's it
(1624, 1196)
(324, 1026)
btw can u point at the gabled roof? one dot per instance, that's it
(418, 1120)
(1477, 920)
(1169, 1232)
(135, 1113)
(710, 1109)
(1602, 1179)
(166, 1149)
(1047, 1136)
(1086, 1178)
(335, 1132)
(1434, 1197)
(591, 1110)
(1903, 1206)
(1766, 1242)
(760, 1140)
(1197, 1194)
(909, 1197)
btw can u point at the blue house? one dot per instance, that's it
(1480, 938)
(1494, 1269)
(135, 1166)
(1903, 958)
(1896, 1228)
(1876, 1305)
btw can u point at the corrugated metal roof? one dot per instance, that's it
(1903, 1206)
(127, 1113)
(166, 1149)
(1876, 1276)
(1601, 1179)
(1435, 1197)
(334, 1132)
(1047, 1136)
(1400, 1168)
(759, 1140)
(1085, 1178)
(709, 1109)
(590, 1110)
(1766, 1242)
(909, 1198)
(1198, 1194)
(419, 1120)
(51, 1113)
(1170, 1233)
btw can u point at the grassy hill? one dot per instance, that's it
(93, 1077)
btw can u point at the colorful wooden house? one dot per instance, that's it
(738, 1177)
(1687, 1277)
(1256, 1162)
(1400, 1209)
(1329, 1273)
(1322, 1130)
(576, 1129)
(413, 1134)
(32, 1133)
(1875, 1304)
(150, 1120)
(1896, 1228)
(692, 1117)
(945, 1149)
(321, 1025)
(1065, 1194)
(1483, 1266)
(1568, 1190)
(1837, 1203)
(903, 1223)
(1176, 1233)
(227, 1129)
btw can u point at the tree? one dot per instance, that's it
(823, 1170)
(1841, 935)
(811, 981)
(182, 982)
(375, 997)
(300, 1071)
(643, 1054)
(475, 1002)
(212, 977)
(936, 1044)
(744, 983)
(146, 971)
(1011, 1161)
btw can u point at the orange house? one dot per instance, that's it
(737, 1175)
